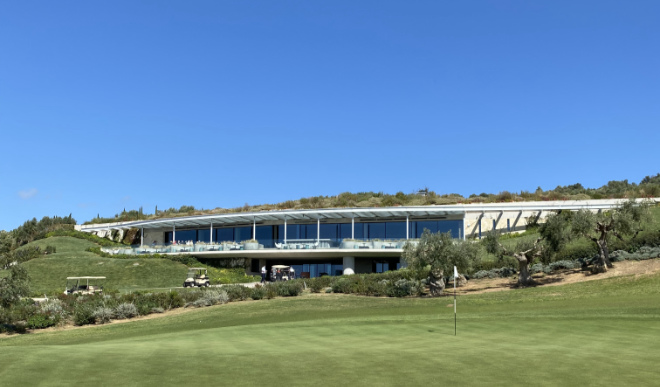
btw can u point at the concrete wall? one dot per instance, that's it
(151, 235)
(517, 221)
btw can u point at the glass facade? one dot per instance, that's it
(334, 232)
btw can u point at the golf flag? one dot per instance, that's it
(455, 276)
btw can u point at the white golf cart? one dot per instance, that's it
(284, 273)
(84, 285)
(197, 276)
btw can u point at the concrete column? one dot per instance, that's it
(142, 237)
(285, 230)
(254, 228)
(407, 226)
(211, 236)
(352, 228)
(173, 233)
(349, 265)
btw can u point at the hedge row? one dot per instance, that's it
(102, 308)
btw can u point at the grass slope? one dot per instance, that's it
(49, 273)
(595, 333)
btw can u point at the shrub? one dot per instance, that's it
(39, 321)
(50, 249)
(211, 297)
(125, 310)
(157, 310)
(502, 272)
(237, 292)
(102, 314)
(287, 288)
(576, 252)
(83, 315)
(316, 286)
(174, 300)
(258, 293)
(403, 288)
(54, 309)
(565, 264)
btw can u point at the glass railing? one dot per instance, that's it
(290, 244)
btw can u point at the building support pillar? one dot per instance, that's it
(318, 230)
(174, 233)
(285, 230)
(349, 265)
(211, 236)
(142, 237)
(254, 228)
(407, 226)
(352, 227)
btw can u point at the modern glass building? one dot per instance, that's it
(329, 241)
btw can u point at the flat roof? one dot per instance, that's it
(324, 214)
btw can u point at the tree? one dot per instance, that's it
(627, 220)
(525, 252)
(437, 254)
(14, 286)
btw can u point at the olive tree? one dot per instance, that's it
(437, 254)
(14, 286)
(624, 221)
(524, 251)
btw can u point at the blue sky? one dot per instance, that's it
(122, 104)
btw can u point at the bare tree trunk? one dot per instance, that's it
(525, 275)
(603, 262)
(436, 282)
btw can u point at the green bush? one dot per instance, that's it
(40, 321)
(404, 287)
(287, 288)
(102, 314)
(258, 293)
(237, 292)
(125, 310)
(83, 235)
(83, 315)
(572, 253)
(316, 286)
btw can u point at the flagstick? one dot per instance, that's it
(454, 304)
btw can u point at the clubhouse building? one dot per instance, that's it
(332, 241)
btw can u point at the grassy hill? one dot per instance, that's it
(48, 273)
(597, 333)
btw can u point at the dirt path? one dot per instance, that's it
(563, 277)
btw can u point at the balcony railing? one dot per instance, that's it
(292, 244)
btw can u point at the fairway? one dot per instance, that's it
(598, 333)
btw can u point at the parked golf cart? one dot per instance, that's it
(285, 273)
(84, 285)
(197, 276)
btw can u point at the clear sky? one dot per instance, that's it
(121, 104)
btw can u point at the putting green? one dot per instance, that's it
(597, 333)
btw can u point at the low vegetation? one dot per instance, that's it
(647, 187)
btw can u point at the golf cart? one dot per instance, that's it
(84, 285)
(197, 276)
(284, 275)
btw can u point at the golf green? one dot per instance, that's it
(603, 332)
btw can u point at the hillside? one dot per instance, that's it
(49, 272)
(647, 187)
